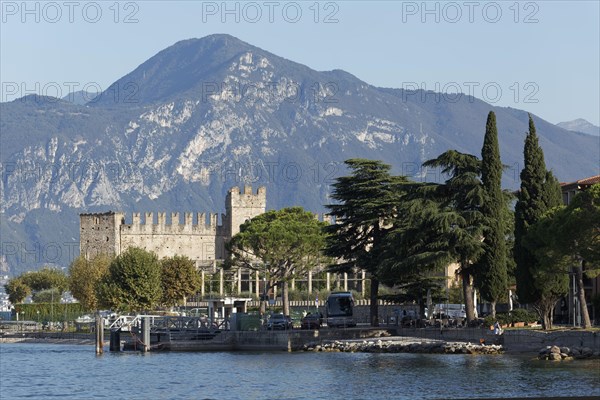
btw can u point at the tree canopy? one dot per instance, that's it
(491, 269)
(84, 277)
(46, 278)
(551, 275)
(47, 284)
(180, 279)
(283, 244)
(415, 252)
(364, 208)
(133, 282)
(577, 236)
(17, 290)
(459, 223)
(538, 193)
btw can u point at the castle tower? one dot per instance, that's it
(100, 233)
(242, 206)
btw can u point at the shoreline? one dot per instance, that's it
(412, 343)
(26, 339)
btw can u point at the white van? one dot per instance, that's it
(450, 310)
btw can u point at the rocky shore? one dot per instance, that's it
(556, 353)
(402, 346)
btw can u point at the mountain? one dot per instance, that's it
(207, 114)
(580, 125)
(80, 97)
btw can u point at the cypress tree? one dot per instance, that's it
(491, 268)
(539, 192)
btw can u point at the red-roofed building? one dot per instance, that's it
(569, 190)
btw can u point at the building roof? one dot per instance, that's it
(592, 180)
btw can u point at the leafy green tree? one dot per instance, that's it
(538, 193)
(52, 295)
(46, 278)
(285, 244)
(133, 281)
(550, 277)
(415, 253)
(491, 267)
(577, 235)
(180, 279)
(363, 212)
(458, 223)
(17, 290)
(84, 277)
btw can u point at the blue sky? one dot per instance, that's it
(541, 56)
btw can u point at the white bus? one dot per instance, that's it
(339, 310)
(450, 310)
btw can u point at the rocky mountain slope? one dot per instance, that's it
(580, 125)
(207, 114)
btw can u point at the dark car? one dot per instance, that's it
(311, 321)
(279, 322)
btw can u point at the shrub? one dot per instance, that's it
(502, 318)
(516, 315)
(50, 311)
(523, 315)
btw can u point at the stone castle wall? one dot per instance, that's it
(242, 206)
(203, 242)
(100, 233)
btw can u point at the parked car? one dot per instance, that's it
(311, 321)
(279, 322)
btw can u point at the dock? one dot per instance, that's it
(152, 333)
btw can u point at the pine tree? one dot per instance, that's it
(458, 222)
(416, 251)
(363, 213)
(284, 244)
(491, 268)
(538, 193)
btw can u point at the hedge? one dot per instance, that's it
(50, 311)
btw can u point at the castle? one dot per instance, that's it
(202, 242)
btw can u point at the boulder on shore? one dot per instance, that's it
(403, 346)
(556, 353)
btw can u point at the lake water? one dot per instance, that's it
(44, 371)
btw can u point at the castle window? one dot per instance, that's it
(107, 238)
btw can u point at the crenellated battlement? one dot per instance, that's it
(188, 219)
(201, 238)
(243, 205)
